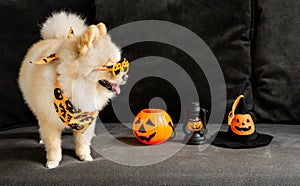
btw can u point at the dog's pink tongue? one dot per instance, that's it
(117, 88)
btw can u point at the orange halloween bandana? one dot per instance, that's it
(71, 116)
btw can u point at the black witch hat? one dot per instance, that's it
(241, 132)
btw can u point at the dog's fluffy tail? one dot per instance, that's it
(58, 25)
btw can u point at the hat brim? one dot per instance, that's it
(223, 139)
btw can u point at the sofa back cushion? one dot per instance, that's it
(276, 62)
(225, 26)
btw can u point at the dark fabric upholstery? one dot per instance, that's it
(227, 27)
(224, 25)
(19, 29)
(276, 61)
(22, 162)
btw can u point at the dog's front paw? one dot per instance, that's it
(86, 158)
(52, 164)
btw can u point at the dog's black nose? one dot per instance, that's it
(125, 77)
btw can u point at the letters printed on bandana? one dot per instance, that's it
(73, 117)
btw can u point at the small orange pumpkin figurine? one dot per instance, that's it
(153, 126)
(241, 123)
(241, 132)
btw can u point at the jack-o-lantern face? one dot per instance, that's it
(195, 125)
(242, 124)
(152, 126)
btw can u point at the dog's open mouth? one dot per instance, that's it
(110, 86)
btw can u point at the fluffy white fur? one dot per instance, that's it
(90, 49)
(64, 20)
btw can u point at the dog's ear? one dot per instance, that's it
(102, 29)
(87, 39)
(90, 36)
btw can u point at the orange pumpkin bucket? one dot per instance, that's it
(152, 126)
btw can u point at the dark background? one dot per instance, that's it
(256, 43)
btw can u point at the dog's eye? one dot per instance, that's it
(110, 66)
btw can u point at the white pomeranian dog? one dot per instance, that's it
(68, 77)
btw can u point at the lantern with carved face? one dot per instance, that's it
(152, 126)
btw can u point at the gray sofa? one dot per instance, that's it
(256, 45)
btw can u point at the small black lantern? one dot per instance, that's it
(195, 118)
